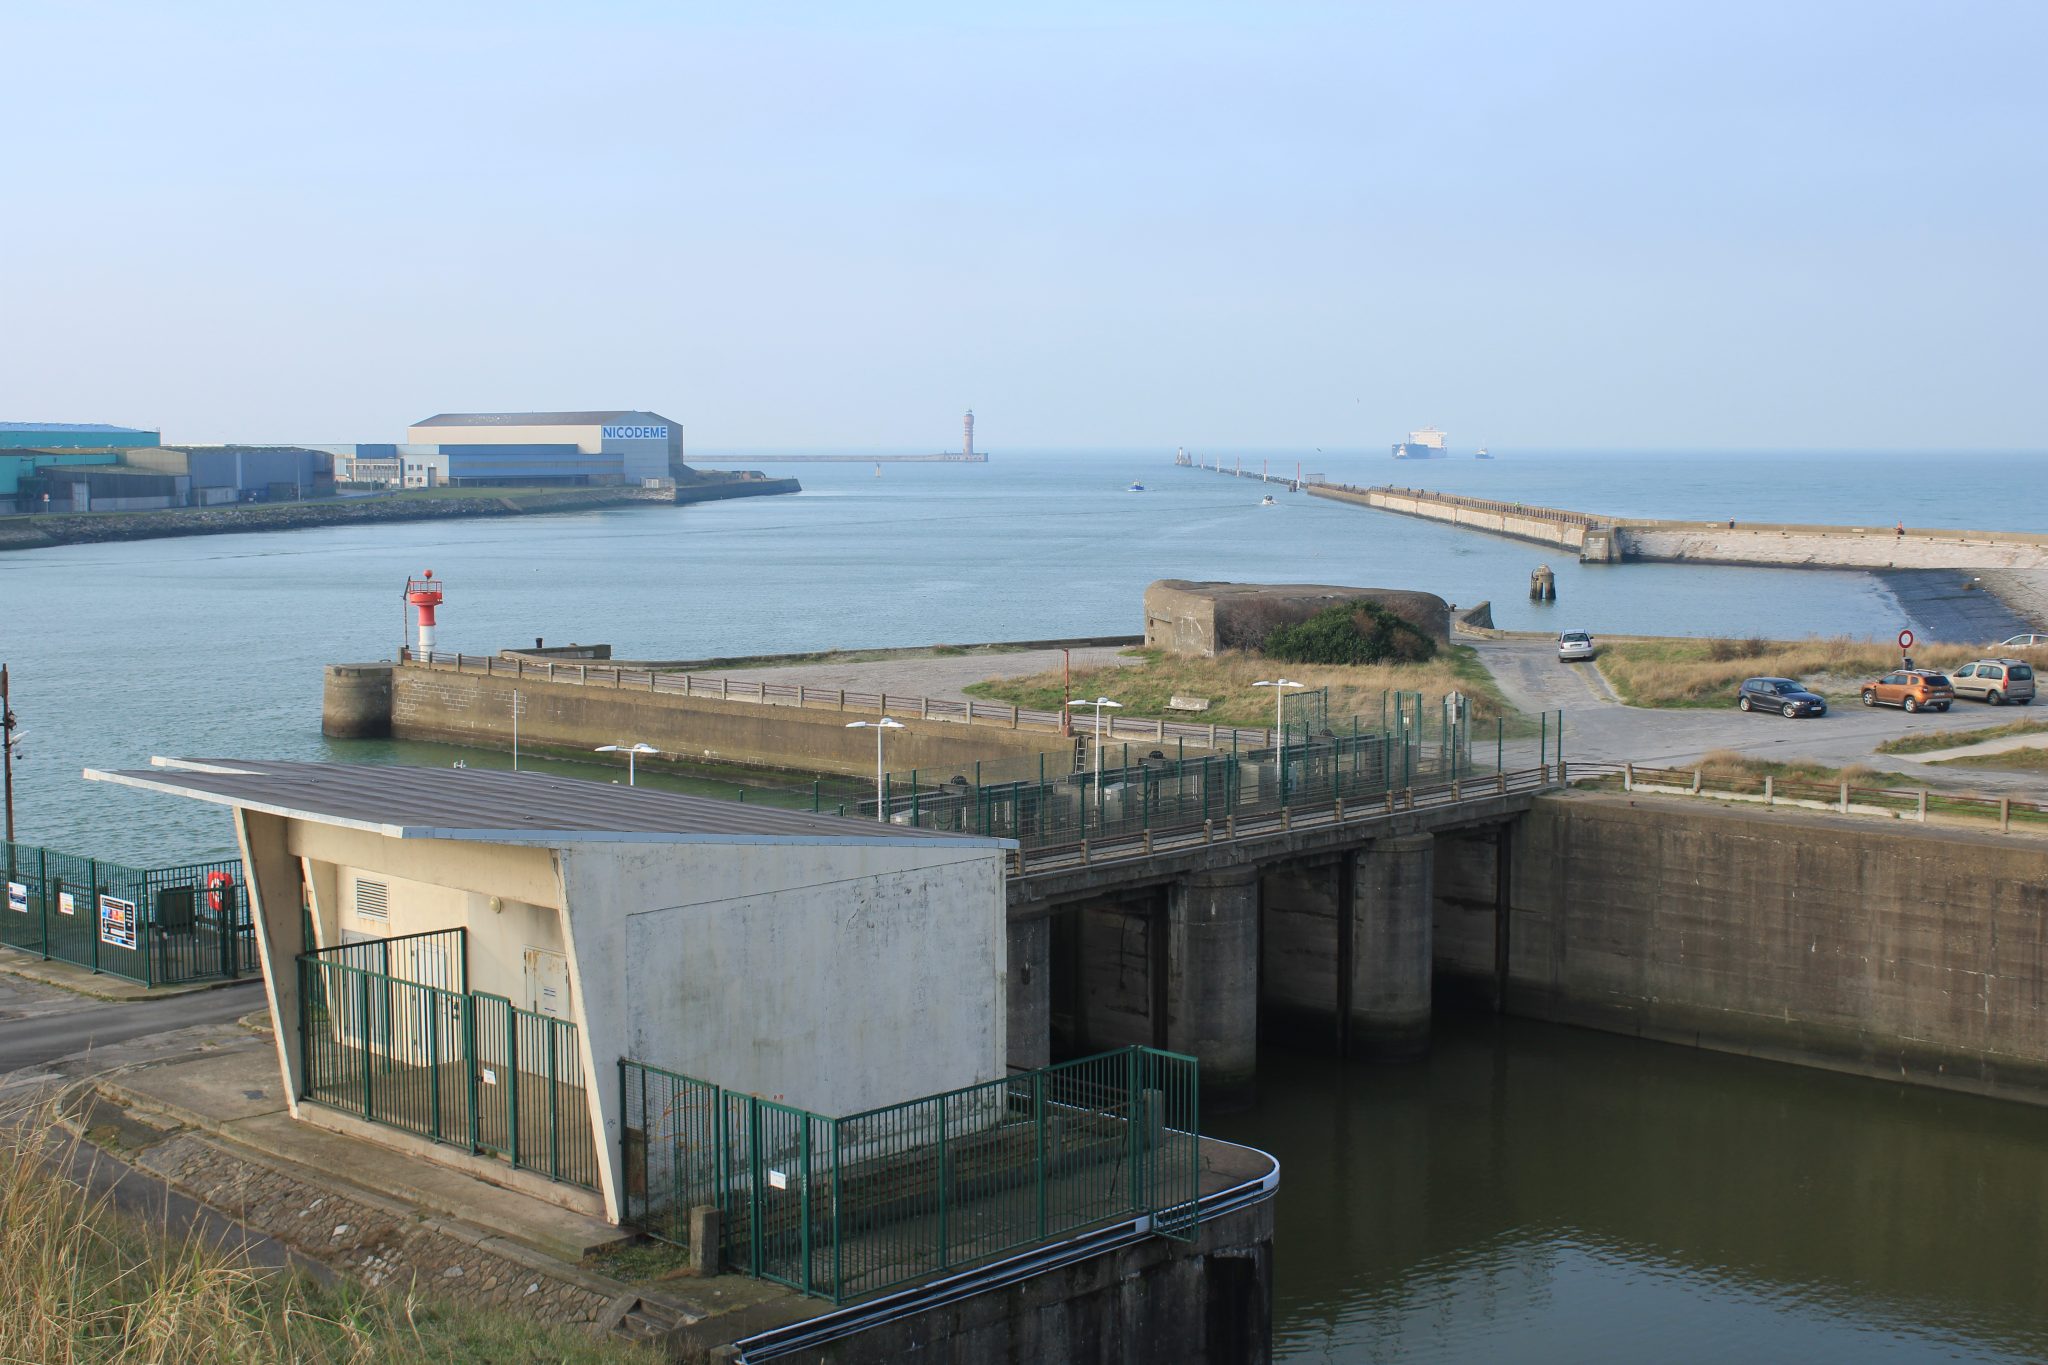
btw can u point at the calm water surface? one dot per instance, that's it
(1540, 1194)
(1528, 1193)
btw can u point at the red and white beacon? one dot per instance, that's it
(424, 593)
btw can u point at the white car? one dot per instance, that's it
(2024, 642)
(1574, 646)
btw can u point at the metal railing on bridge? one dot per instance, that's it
(390, 1032)
(1132, 794)
(156, 926)
(843, 1207)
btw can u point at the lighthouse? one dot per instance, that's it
(424, 593)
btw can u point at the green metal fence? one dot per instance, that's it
(389, 1032)
(843, 1207)
(1133, 790)
(158, 926)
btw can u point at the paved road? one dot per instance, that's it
(1599, 727)
(39, 1024)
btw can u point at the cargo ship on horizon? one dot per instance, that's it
(1426, 444)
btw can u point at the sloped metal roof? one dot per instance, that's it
(483, 805)
(536, 419)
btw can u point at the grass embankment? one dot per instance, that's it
(81, 1283)
(1931, 740)
(1705, 673)
(1226, 681)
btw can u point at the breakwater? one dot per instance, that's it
(1603, 539)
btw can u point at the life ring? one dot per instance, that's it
(217, 882)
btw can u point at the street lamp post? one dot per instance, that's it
(632, 753)
(1280, 686)
(878, 726)
(1099, 703)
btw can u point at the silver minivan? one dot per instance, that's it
(1997, 681)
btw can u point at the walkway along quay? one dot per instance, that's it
(1610, 540)
(573, 706)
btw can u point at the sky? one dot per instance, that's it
(1591, 226)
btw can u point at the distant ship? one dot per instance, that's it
(1426, 444)
(1480, 454)
(1137, 488)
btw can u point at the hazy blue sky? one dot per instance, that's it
(1620, 225)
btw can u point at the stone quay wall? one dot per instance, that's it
(475, 708)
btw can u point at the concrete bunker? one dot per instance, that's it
(1204, 619)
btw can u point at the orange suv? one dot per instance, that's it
(1915, 689)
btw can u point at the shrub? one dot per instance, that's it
(1349, 633)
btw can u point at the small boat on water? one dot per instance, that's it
(1136, 488)
(1267, 501)
(1480, 454)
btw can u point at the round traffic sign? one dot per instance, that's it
(1905, 639)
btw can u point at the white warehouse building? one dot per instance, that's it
(648, 445)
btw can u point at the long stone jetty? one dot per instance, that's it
(1609, 540)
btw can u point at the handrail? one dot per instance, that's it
(1323, 815)
(1840, 797)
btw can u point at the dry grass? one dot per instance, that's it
(83, 1284)
(1706, 672)
(1930, 740)
(1227, 679)
(1726, 763)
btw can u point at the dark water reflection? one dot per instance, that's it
(1537, 1193)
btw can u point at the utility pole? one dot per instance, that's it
(7, 724)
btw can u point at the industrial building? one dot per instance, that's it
(574, 447)
(73, 436)
(485, 947)
(213, 475)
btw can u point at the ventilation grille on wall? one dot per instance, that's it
(373, 900)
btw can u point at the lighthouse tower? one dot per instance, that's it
(425, 594)
(967, 440)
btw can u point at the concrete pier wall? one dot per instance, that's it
(1829, 547)
(465, 707)
(1886, 950)
(1546, 526)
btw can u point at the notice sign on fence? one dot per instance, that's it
(117, 922)
(65, 904)
(17, 898)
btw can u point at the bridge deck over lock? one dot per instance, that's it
(1314, 923)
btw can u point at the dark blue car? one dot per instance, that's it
(1780, 697)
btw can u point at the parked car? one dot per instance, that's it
(2024, 642)
(1997, 681)
(1785, 697)
(1575, 646)
(1915, 689)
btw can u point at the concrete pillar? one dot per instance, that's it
(1029, 991)
(1302, 913)
(356, 703)
(1393, 941)
(1212, 1008)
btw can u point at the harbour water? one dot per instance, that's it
(213, 645)
(1528, 1193)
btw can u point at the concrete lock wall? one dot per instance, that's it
(1888, 950)
(1153, 1302)
(463, 707)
